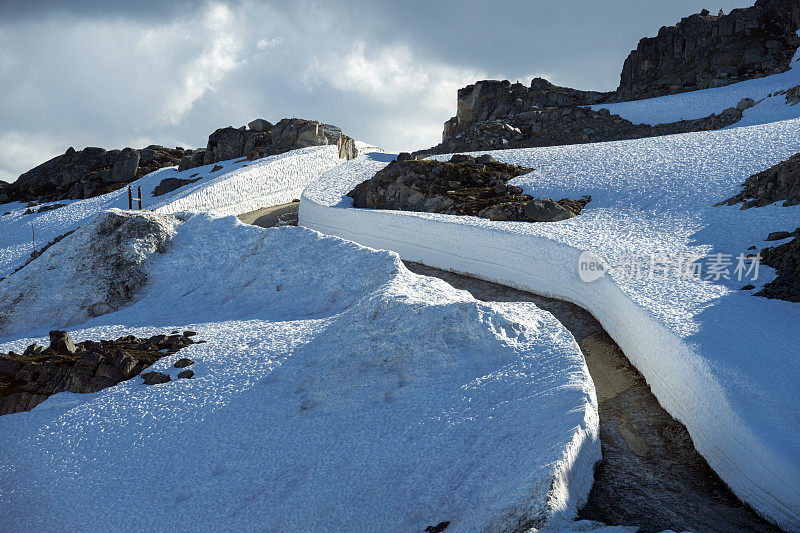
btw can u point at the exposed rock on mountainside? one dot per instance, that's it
(786, 260)
(28, 379)
(701, 51)
(94, 171)
(463, 186)
(704, 50)
(262, 139)
(495, 115)
(780, 182)
(89, 172)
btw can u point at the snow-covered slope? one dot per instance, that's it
(239, 186)
(337, 391)
(720, 360)
(771, 107)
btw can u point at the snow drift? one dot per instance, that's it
(721, 361)
(336, 391)
(237, 187)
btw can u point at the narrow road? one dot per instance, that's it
(650, 476)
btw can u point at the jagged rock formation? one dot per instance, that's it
(261, 139)
(464, 185)
(494, 115)
(89, 172)
(704, 50)
(28, 379)
(700, 51)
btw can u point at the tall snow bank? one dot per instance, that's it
(723, 362)
(336, 391)
(236, 186)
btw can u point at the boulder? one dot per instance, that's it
(171, 184)
(259, 124)
(61, 343)
(546, 210)
(155, 378)
(745, 103)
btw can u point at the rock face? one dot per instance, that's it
(786, 260)
(463, 186)
(495, 115)
(28, 379)
(704, 50)
(699, 52)
(89, 172)
(778, 183)
(262, 139)
(171, 184)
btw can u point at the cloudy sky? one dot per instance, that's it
(115, 74)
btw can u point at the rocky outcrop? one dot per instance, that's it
(705, 50)
(168, 185)
(261, 139)
(778, 183)
(514, 118)
(699, 52)
(28, 379)
(464, 185)
(785, 259)
(88, 172)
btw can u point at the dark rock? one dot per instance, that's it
(189, 333)
(27, 380)
(183, 363)
(785, 259)
(462, 186)
(168, 185)
(778, 235)
(745, 103)
(260, 124)
(186, 374)
(404, 156)
(215, 168)
(704, 51)
(125, 165)
(155, 378)
(61, 343)
(780, 182)
(748, 287)
(545, 210)
(438, 528)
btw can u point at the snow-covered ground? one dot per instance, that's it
(239, 186)
(771, 107)
(337, 391)
(720, 360)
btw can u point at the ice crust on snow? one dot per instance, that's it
(239, 186)
(336, 391)
(721, 361)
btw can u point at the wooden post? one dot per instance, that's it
(131, 197)
(33, 239)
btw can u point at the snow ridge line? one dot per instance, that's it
(683, 384)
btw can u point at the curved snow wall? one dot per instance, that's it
(676, 374)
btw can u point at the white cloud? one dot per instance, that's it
(219, 54)
(18, 150)
(264, 44)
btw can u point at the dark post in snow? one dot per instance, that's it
(131, 198)
(33, 239)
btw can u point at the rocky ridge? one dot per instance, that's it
(701, 51)
(465, 185)
(93, 171)
(28, 379)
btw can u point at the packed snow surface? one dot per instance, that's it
(767, 92)
(723, 362)
(238, 187)
(336, 391)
